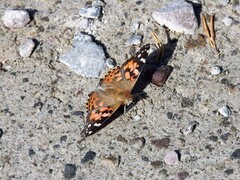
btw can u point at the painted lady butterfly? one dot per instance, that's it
(113, 91)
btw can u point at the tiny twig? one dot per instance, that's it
(210, 33)
(159, 45)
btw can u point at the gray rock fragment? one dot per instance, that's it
(26, 47)
(134, 40)
(177, 16)
(93, 12)
(15, 18)
(86, 57)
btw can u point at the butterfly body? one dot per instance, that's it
(113, 91)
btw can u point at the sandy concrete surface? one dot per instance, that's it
(42, 102)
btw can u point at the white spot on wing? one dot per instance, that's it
(97, 124)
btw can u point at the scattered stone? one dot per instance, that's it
(213, 138)
(31, 152)
(121, 139)
(26, 47)
(161, 143)
(15, 18)
(182, 175)
(145, 158)
(70, 171)
(177, 16)
(86, 57)
(225, 111)
(134, 40)
(111, 162)
(224, 137)
(235, 154)
(63, 138)
(228, 172)
(157, 164)
(228, 21)
(190, 128)
(90, 155)
(171, 158)
(216, 70)
(93, 12)
(135, 26)
(111, 63)
(160, 76)
(138, 143)
(186, 102)
(237, 7)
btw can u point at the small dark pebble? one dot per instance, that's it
(138, 2)
(145, 158)
(157, 164)
(56, 146)
(24, 80)
(225, 123)
(183, 175)
(1, 133)
(228, 171)
(209, 147)
(31, 152)
(161, 143)
(213, 138)
(235, 154)
(70, 171)
(225, 136)
(160, 75)
(63, 138)
(90, 155)
(186, 102)
(225, 81)
(169, 115)
(77, 113)
(50, 171)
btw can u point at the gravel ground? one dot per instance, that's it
(42, 102)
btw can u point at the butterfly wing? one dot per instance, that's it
(126, 76)
(102, 102)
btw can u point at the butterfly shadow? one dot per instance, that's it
(152, 65)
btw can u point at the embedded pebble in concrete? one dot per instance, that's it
(223, 2)
(134, 40)
(190, 128)
(182, 175)
(235, 154)
(70, 171)
(225, 111)
(86, 57)
(237, 8)
(135, 26)
(93, 12)
(15, 18)
(216, 70)
(171, 158)
(89, 156)
(111, 63)
(26, 47)
(177, 16)
(228, 21)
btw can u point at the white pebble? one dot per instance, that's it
(225, 111)
(216, 70)
(237, 7)
(134, 40)
(26, 47)
(171, 158)
(90, 12)
(111, 63)
(135, 26)
(190, 128)
(228, 21)
(15, 18)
